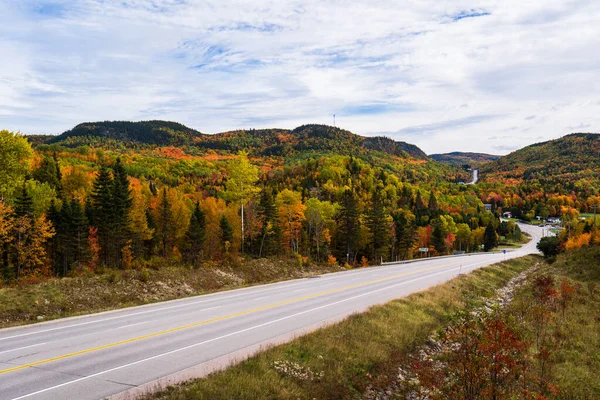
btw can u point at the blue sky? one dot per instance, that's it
(488, 76)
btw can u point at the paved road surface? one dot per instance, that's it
(475, 177)
(100, 355)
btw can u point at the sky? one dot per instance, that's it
(487, 76)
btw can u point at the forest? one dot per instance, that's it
(135, 195)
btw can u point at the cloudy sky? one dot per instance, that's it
(458, 75)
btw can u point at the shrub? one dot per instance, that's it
(549, 246)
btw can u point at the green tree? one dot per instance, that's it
(319, 216)
(241, 183)
(490, 238)
(48, 172)
(549, 246)
(404, 229)
(102, 211)
(24, 203)
(348, 227)
(121, 203)
(377, 224)
(226, 235)
(15, 162)
(196, 235)
(165, 223)
(270, 231)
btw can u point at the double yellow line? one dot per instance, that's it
(208, 321)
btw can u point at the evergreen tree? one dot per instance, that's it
(433, 205)
(165, 224)
(79, 232)
(48, 172)
(102, 210)
(438, 235)
(490, 238)
(378, 226)
(196, 235)
(226, 233)
(348, 230)
(421, 210)
(404, 228)
(270, 232)
(121, 202)
(24, 204)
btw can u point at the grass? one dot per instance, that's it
(342, 360)
(59, 298)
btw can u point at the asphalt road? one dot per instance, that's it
(101, 355)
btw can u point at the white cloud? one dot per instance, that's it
(440, 74)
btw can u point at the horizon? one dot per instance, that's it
(487, 79)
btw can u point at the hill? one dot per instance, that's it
(458, 158)
(565, 161)
(260, 142)
(148, 132)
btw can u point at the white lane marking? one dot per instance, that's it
(22, 348)
(228, 335)
(259, 298)
(139, 313)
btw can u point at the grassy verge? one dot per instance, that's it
(571, 333)
(342, 360)
(59, 298)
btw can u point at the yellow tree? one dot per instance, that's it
(31, 235)
(138, 223)
(15, 161)
(7, 223)
(291, 214)
(241, 183)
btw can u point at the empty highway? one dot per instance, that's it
(106, 354)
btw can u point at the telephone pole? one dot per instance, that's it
(334, 120)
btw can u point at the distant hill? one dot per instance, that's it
(263, 142)
(459, 159)
(148, 132)
(563, 161)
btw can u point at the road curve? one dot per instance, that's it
(123, 352)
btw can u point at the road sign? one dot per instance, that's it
(504, 251)
(423, 249)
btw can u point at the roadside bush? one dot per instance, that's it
(549, 246)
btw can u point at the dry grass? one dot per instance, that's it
(59, 298)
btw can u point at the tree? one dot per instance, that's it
(48, 172)
(139, 227)
(549, 246)
(404, 229)
(121, 202)
(241, 182)
(15, 162)
(226, 233)
(29, 245)
(348, 227)
(377, 224)
(463, 236)
(438, 235)
(490, 238)
(24, 203)
(291, 215)
(6, 227)
(165, 222)
(196, 235)
(319, 216)
(270, 230)
(102, 210)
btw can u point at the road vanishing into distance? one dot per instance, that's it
(126, 352)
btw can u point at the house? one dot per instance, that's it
(507, 214)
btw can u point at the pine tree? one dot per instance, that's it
(270, 232)
(121, 201)
(378, 226)
(490, 238)
(102, 210)
(165, 225)
(196, 235)
(433, 205)
(48, 173)
(226, 233)
(438, 235)
(79, 232)
(24, 204)
(404, 228)
(348, 231)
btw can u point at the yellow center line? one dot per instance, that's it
(208, 321)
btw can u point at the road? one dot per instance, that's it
(475, 177)
(131, 350)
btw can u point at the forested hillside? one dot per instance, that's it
(122, 195)
(462, 159)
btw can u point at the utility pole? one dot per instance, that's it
(334, 120)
